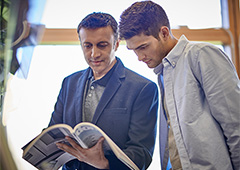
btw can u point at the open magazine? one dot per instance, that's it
(43, 153)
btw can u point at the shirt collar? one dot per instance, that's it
(177, 51)
(158, 69)
(173, 55)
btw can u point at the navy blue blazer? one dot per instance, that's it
(127, 113)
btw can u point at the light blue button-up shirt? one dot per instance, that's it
(202, 93)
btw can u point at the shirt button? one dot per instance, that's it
(89, 95)
(173, 63)
(92, 87)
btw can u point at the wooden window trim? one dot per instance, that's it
(69, 36)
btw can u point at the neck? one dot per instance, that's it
(98, 75)
(173, 41)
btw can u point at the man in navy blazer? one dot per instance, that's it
(119, 101)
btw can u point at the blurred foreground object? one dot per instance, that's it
(19, 35)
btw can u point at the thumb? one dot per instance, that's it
(100, 141)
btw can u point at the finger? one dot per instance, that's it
(67, 147)
(74, 144)
(64, 147)
(100, 141)
(69, 150)
(99, 145)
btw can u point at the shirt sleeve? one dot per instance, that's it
(221, 85)
(57, 116)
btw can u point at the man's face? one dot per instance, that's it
(148, 49)
(99, 49)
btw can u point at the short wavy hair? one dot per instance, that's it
(98, 20)
(142, 17)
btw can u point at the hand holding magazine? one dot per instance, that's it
(43, 153)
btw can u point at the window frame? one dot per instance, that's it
(228, 36)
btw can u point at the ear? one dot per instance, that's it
(164, 33)
(79, 38)
(116, 45)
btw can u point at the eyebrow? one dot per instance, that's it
(137, 47)
(97, 43)
(102, 42)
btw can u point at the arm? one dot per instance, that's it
(142, 129)
(57, 115)
(221, 85)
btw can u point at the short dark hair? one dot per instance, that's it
(142, 17)
(98, 20)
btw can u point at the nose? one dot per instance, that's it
(140, 56)
(95, 52)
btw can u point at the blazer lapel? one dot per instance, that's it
(79, 96)
(110, 90)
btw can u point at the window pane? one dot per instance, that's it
(191, 13)
(195, 14)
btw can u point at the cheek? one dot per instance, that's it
(149, 53)
(87, 53)
(86, 57)
(140, 53)
(158, 51)
(108, 53)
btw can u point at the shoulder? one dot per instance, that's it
(75, 77)
(137, 76)
(76, 74)
(205, 53)
(129, 75)
(198, 48)
(208, 60)
(134, 79)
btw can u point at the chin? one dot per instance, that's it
(150, 66)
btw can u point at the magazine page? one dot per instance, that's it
(90, 134)
(43, 153)
(120, 154)
(55, 164)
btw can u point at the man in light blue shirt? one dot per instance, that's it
(200, 92)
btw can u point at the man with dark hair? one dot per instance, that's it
(119, 101)
(200, 92)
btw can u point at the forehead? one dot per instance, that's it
(138, 40)
(97, 34)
